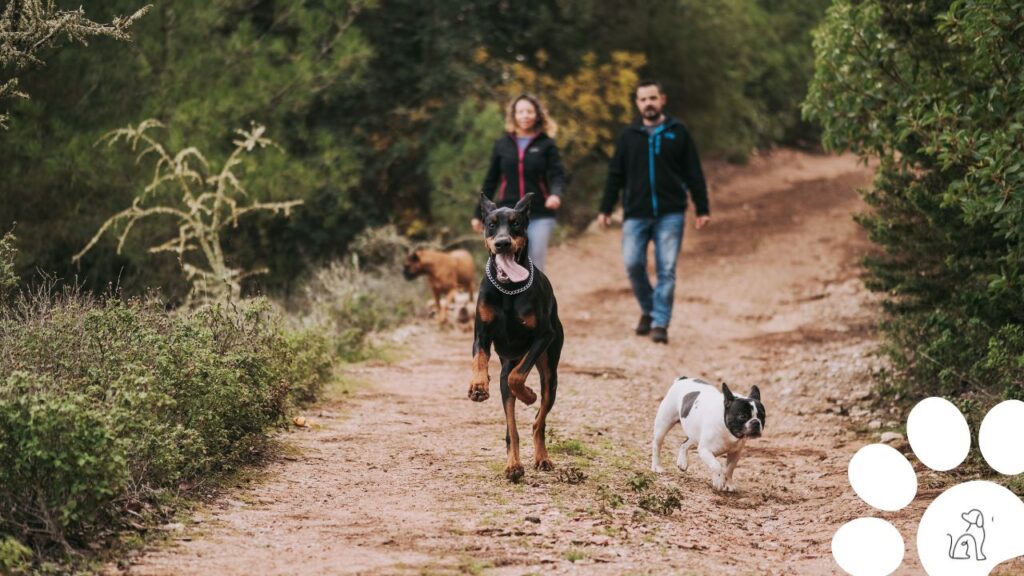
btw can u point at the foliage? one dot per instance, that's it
(8, 274)
(930, 89)
(29, 26)
(457, 165)
(348, 300)
(203, 200)
(387, 109)
(735, 71)
(201, 68)
(15, 557)
(108, 407)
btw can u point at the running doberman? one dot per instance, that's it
(517, 312)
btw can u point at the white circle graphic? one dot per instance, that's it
(882, 477)
(938, 434)
(1000, 437)
(868, 547)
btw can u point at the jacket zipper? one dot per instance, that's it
(651, 139)
(522, 155)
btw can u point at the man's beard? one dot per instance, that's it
(651, 113)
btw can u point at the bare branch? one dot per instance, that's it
(219, 201)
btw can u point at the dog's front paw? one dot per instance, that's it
(718, 482)
(478, 389)
(682, 464)
(729, 487)
(544, 465)
(514, 472)
(658, 469)
(478, 393)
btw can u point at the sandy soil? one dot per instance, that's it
(405, 478)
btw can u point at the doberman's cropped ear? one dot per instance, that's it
(729, 397)
(486, 206)
(755, 393)
(523, 206)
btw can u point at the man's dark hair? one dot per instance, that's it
(646, 83)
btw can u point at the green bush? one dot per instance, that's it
(109, 407)
(15, 557)
(308, 362)
(346, 301)
(60, 466)
(932, 89)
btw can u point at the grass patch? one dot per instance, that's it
(575, 555)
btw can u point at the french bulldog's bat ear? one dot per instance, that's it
(755, 393)
(486, 206)
(523, 206)
(729, 397)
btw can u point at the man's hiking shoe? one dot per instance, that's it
(644, 327)
(659, 335)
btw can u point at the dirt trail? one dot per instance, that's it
(406, 477)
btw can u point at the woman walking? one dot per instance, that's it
(525, 159)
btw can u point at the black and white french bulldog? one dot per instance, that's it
(717, 423)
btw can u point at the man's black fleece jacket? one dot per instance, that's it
(655, 171)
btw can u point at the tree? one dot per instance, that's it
(202, 200)
(201, 68)
(29, 26)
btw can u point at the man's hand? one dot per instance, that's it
(553, 202)
(477, 225)
(604, 220)
(703, 221)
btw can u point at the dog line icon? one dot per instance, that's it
(972, 540)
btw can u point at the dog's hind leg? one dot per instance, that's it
(442, 311)
(681, 461)
(513, 466)
(667, 418)
(547, 366)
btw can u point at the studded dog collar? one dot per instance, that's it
(505, 291)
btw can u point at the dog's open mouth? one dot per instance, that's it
(508, 269)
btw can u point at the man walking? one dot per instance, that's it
(655, 163)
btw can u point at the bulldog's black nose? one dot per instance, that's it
(502, 244)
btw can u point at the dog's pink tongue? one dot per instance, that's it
(511, 268)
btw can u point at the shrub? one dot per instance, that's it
(107, 407)
(59, 465)
(930, 89)
(348, 300)
(15, 557)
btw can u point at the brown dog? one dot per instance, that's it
(446, 273)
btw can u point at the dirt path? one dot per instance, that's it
(406, 477)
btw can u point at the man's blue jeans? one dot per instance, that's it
(667, 233)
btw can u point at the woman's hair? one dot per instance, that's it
(544, 123)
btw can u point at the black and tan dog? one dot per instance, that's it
(516, 311)
(446, 273)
